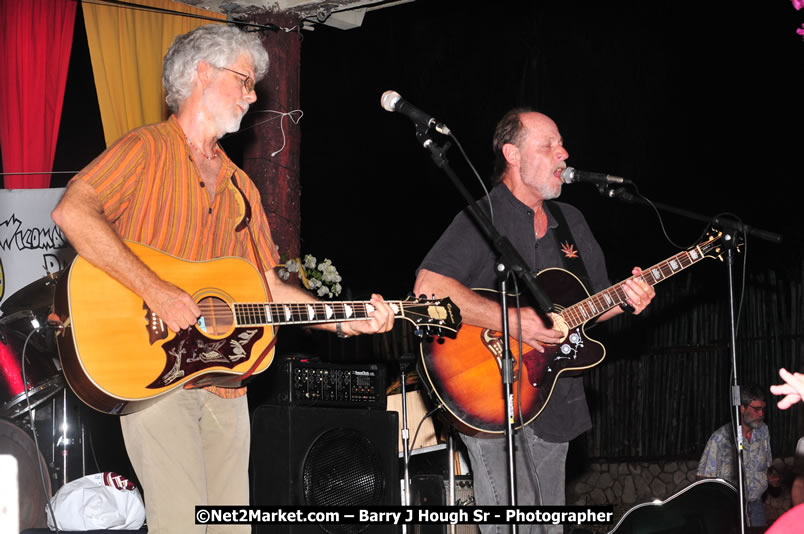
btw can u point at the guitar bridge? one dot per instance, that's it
(157, 329)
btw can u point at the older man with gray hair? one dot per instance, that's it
(171, 186)
(719, 458)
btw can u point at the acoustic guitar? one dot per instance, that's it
(464, 376)
(709, 506)
(119, 357)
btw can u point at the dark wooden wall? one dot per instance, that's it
(665, 385)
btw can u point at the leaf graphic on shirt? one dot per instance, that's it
(569, 250)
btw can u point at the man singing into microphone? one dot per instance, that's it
(530, 156)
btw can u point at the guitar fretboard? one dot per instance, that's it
(601, 302)
(278, 314)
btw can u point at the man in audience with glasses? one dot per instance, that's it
(719, 459)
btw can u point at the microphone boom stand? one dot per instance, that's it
(509, 262)
(731, 229)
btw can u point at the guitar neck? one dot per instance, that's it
(601, 302)
(283, 313)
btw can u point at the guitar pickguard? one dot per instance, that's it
(190, 351)
(543, 367)
(538, 365)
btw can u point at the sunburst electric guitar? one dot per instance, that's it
(119, 357)
(464, 373)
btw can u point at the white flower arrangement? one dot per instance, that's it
(322, 279)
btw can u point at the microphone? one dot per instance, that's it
(393, 102)
(571, 176)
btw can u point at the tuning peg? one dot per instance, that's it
(440, 340)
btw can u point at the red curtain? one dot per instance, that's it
(35, 41)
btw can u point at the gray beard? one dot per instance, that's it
(753, 425)
(230, 126)
(223, 125)
(548, 193)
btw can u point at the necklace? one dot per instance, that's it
(537, 223)
(192, 145)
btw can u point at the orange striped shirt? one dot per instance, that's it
(152, 193)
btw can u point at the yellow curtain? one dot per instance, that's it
(127, 47)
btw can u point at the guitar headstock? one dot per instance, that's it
(716, 244)
(436, 317)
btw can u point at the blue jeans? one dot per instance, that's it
(756, 514)
(490, 468)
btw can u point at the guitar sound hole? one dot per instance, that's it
(216, 318)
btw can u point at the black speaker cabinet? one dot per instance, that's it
(324, 457)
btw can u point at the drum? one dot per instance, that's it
(34, 489)
(42, 372)
(36, 296)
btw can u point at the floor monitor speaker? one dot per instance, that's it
(336, 457)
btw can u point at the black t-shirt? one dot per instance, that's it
(462, 253)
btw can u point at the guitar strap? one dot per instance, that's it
(238, 380)
(570, 255)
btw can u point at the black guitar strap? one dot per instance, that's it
(570, 255)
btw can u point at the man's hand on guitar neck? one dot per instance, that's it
(639, 292)
(381, 320)
(638, 295)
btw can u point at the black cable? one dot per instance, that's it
(30, 414)
(529, 452)
(421, 422)
(477, 175)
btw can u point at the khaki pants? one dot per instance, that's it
(190, 448)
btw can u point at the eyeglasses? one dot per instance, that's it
(757, 408)
(248, 81)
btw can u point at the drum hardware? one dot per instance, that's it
(37, 296)
(24, 324)
(64, 440)
(24, 404)
(28, 374)
(21, 314)
(59, 433)
(40, 428)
